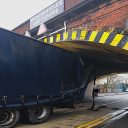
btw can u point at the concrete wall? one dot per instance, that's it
(88, 92)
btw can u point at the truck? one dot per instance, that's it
(35, 77)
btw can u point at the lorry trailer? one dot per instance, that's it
(35, 77)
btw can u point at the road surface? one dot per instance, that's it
(70, 118)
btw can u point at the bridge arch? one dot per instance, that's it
(108, 51)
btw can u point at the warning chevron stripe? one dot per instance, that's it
(106, 38)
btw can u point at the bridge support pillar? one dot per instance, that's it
(88, 92)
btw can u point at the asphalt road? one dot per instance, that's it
(113, 101)
(69, 118)
(119, 121)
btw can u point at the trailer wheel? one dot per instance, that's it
(39, 114)
(8, 118)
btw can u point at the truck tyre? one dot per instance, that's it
(8, 118)
(39, 114)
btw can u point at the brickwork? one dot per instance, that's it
(71, 3)
(111, 15)
(23, 28)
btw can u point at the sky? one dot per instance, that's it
(15, 12)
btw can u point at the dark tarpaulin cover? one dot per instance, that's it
(29, 68)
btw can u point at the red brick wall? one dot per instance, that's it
(113, 15)
(71, 3)
(23, 28)
(108, 15)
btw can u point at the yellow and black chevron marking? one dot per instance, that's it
(112, 39)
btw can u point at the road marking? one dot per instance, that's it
(100, 120)
(95, 122)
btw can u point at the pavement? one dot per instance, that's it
(70, 118)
